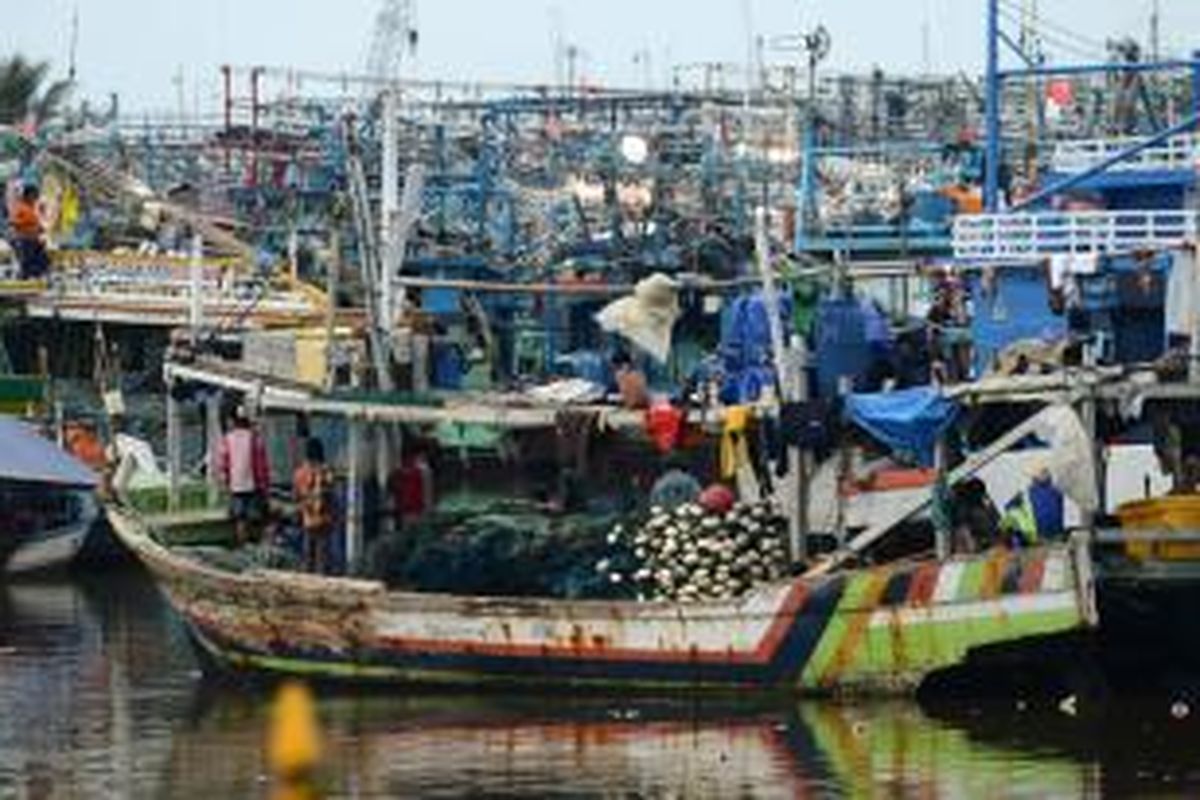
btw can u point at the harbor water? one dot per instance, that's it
(102, 697)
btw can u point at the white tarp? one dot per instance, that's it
(1071, 460)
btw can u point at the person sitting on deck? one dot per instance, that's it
(244, 471)
(25, 220)
(976, 519)
(312, 487)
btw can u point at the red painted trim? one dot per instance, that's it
(1031, 576)
(924, 584)
(762, 653)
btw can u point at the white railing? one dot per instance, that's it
(1024, 236)
(1180, 152)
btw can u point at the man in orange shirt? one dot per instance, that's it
(312, 485)
(26, 223)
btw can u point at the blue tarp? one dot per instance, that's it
(909, 421)
(26, 456)
(1017, 307)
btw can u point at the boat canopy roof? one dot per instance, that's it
(28, 457)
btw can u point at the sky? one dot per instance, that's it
(140, 48)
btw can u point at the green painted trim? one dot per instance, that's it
(853, 601)
(970, 582)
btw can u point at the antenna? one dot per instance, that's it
(748, 21)
(1155, 26)
(557, 45)
(74, 44)
(394, 38)
(926, 65)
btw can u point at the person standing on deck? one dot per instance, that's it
(312, 486)
(411, 485)
(25, 220)
(244, 471)
(1035, 515)
(631, 382)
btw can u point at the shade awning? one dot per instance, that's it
(28, 457)
(909, 421)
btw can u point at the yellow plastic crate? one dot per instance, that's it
(1173, 513)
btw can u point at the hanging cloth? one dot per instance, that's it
(574, 428)
(734, 450)
(663, 425)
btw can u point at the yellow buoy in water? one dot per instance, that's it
(294, 743)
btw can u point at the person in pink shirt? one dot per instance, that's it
(245, 473)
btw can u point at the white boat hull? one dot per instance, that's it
(53, 548)
(49, 550)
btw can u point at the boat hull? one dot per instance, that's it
(879, 630)
(49, 550)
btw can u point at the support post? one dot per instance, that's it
(845, 459)
(354, 496)
(788, 376)
(212, 431)
(799, 461)
(808, 186)
(991, 185)
(383, 470)
(332, 273)
(1196, 81)
(174, 449)
(196, 288)
(941, 532)
(1193, 319)
(389, 207)
(227, 83)
(255, 73)
(420, 362)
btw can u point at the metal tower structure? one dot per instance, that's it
(394, 39)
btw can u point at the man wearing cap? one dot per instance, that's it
(244, 471)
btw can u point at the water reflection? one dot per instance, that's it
(101, 698)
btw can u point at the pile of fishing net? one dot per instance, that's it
(509, 551)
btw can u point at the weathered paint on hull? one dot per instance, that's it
(879, 629)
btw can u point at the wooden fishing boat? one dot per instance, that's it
(878, 629)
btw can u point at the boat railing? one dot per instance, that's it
(163, 286)
(1019, 236)
(1180, 152)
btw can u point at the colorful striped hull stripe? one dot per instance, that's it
(888, 624)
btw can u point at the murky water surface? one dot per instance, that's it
(100, 697)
